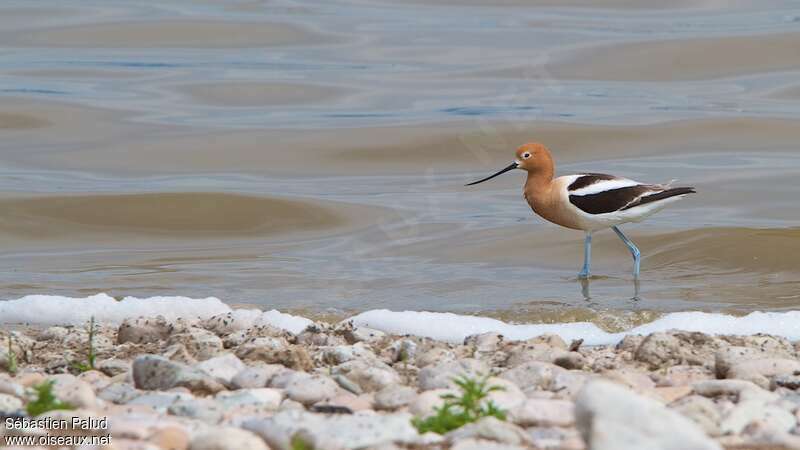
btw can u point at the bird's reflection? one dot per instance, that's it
(585, 282)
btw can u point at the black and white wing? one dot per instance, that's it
(597, 193)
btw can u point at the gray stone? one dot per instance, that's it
(153, 372)
(611, 417)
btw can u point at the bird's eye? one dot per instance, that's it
(526, 155)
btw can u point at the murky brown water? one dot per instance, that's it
(311, 155)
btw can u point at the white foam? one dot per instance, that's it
(454, 327)
(288, 322)
(58, 310)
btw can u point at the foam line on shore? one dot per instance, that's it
(454, 328)
(59, 310)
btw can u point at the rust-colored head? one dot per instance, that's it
(532, 157)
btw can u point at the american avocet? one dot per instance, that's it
(588, 201)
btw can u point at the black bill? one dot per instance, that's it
(513, 166)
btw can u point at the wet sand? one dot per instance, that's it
(312, 156)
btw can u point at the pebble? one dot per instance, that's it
(227, 438)
(309, 389)
(153, 372)
(612, 417)
(394, 396)
(544, 413)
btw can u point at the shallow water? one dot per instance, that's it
(311, 156)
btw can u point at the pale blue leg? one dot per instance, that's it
(587, 256)
(634, 251)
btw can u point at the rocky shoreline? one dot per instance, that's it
(221, 383)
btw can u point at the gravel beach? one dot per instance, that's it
(221, 383)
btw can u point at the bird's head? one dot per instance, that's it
(531, 157)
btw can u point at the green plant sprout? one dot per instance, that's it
(458, 411)
(45, 400)
(11, 358)
(91, 357)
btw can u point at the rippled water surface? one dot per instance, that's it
(311, 155)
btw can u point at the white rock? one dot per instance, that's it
(702, 410)
(265, 398)
(483, 444)
(256, 377)
(394, 396)
(160, 401)
(336, 430)
(611, 417)
(342, 353)
(203, 409)
(492, 429)
(9, 403)
(441, 375)
(223, 367)
(761, 371)
(508, 397)
(426, 402)
(740, 389)
(227, 438)
(365, 334)
(230, 322)
(533, 374)
(753, 411)
(70, 389)
(11, 388)
(370, 376)
(309, 389)
(201, 344)
(143, 330)
(544, 413)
